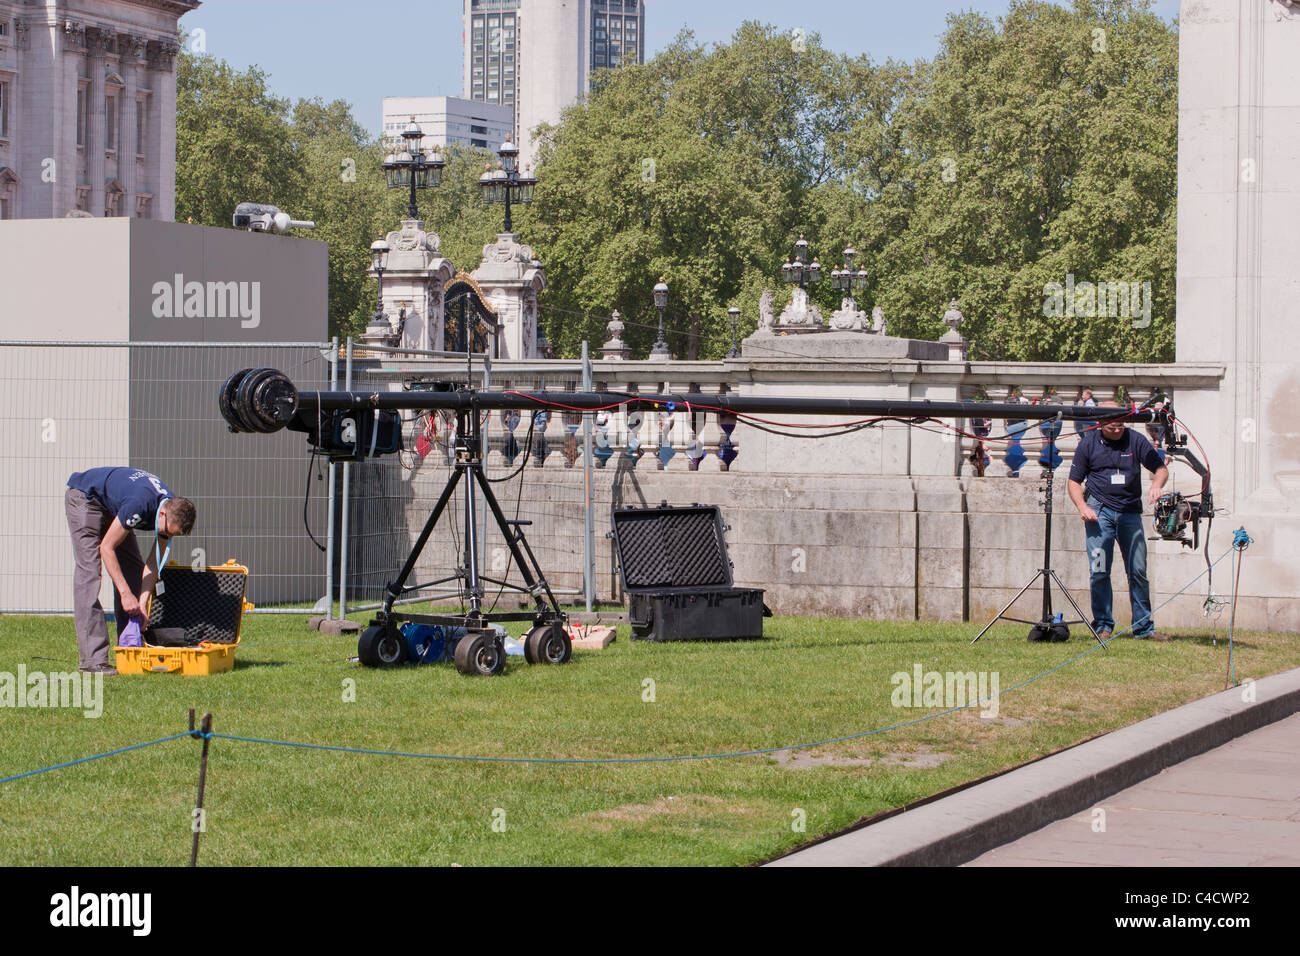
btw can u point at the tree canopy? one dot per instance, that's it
(1032, 154)
(1038, 150)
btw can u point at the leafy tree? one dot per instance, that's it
(342, 191)
(691, 166)
(233, 142)
(1042, 149)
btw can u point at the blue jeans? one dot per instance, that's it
(1126, 528)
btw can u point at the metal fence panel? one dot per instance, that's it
(153, 406)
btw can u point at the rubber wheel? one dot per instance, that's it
(242, 404)
(548, 644)
(528, 643)
(227, 400)
(480, 653)
(273, 401)
(381, 647)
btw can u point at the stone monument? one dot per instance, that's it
(511, 278)
(413, 283)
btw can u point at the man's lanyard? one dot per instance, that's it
(159, 561)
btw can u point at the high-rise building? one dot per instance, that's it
(449, 119)
(88, 107)
(537, 56)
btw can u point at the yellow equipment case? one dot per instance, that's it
(209, 606)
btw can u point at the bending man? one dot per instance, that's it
(104, 505)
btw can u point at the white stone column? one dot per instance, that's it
(68, 158)
(1238, 288)
(96, 45)
(127, 146)
(164, 92)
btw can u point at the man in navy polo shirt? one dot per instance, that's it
(104, 505)
(1111, 458)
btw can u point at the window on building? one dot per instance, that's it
(110, 123)
(82, 100)
(4, 109)
(478, 142)
(141, 126)
(4, 208)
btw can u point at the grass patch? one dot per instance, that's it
(809, 680)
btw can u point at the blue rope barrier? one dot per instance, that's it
(111, 753)
(198, 734)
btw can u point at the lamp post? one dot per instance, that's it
(660, 349)
(505, 183)
(801, 271)
(846, 280)
(733, 316)
(411, 167)
(379, 259)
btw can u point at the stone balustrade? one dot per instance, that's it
(699, 438)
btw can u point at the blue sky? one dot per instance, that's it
(362, 52)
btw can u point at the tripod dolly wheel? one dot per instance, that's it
(547, 644)
(479, 652)
(381, 647)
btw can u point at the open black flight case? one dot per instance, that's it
(480, 651)
(675, 569)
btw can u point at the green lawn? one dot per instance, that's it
(809, 680)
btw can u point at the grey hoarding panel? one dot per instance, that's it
(202, 284)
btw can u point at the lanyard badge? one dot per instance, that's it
(159, 588)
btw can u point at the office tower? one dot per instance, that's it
(537, 56)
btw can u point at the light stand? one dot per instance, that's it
(1049, 627)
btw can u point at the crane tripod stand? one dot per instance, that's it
(1050, 627)
(480, 651)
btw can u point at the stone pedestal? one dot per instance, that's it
(413, 284)
(511, 277)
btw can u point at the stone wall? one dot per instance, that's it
(879, 547)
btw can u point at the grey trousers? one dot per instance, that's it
(88, 522)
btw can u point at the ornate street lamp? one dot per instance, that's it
(801, 271)
(661, 302)
(846, 280)
(411, 167)
(379, 259)
(733, 316)
(505, 183)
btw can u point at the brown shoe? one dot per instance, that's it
(1103, 635)
(1157, 636)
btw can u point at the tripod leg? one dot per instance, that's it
(513, 536)
(1077, 610)
(395, 587)
(997, 617)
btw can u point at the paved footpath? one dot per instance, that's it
(1214, 782)
(1238, 805)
